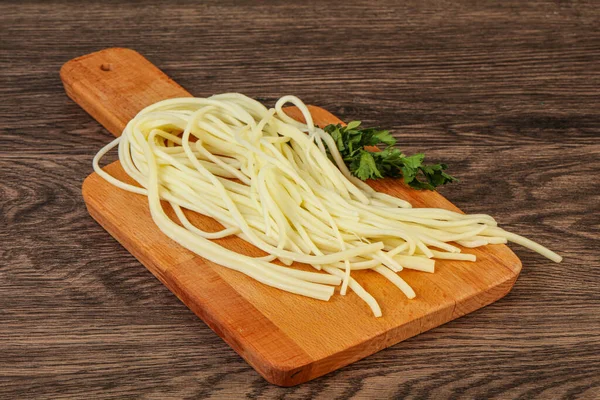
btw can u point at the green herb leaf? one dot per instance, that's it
(390, 162)
(352, 124)
(414, 161)
(367, 167)
(384, 137)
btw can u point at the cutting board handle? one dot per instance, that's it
(114, 84)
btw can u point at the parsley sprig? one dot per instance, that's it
(390, 162)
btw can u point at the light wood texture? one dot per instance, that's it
(287, 338)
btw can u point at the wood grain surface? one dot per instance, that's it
(507, 93)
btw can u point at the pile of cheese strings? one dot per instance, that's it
(267, 179)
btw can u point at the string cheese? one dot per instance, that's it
(267, 179)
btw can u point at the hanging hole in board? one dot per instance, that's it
(106, 67)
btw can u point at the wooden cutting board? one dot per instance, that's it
(288, 339)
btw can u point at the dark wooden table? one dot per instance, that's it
(508, 94)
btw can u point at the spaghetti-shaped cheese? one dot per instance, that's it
(268, 179)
